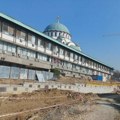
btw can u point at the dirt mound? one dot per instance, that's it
(71, 80)
(30, 103)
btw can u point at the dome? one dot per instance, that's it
(57, 27)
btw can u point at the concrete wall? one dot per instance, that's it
(29, 87)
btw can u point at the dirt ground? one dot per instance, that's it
(72, 106)
(36, 100)
(57, 104)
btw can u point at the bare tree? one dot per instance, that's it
(116, 75)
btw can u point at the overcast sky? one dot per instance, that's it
(94, 24)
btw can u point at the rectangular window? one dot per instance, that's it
(13, 49)
(61, 51)
(48, 45)
(42, 57)
(83, 60)
(40, 43)
(55, 49)
(31, 54)
(80, 58)
(71, 55)
(8, 47)
(0, 26)
(20, 35)
(5, 47)
(31, 39)
(67, 54)
(76, 57)
(1, 45)
(8, 29)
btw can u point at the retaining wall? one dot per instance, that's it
(29, 87)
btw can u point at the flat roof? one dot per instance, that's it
(47, 37)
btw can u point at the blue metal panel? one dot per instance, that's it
(97, 77)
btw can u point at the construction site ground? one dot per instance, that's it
(57, 104)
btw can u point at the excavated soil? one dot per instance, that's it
(38, 99)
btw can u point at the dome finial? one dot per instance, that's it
(58, 19)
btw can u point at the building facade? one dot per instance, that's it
(28, 49)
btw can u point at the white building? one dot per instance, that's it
(24, 51)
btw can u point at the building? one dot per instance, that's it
(24, 50)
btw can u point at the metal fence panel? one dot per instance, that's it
(31, 74)
(4, 71)
(51, 75)
(23, 73)
(15, 72)
(40, 76)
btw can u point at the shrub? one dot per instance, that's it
(56, 72)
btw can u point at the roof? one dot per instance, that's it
(57, 27)
(47, 37)
(75, 47)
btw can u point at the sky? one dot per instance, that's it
(93, 24)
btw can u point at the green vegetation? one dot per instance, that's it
(56, 72)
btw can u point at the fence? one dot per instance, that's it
(24, 73)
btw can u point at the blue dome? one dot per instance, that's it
(56, 27)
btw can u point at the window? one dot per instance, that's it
(55, 49)
(67, 54)
(61, 51)
(24, 52)
(76, 57)
(48, 45)
(40, 43)
(55, 33)
(71, 55)
(1, 45)
(9, 47)
(0, 26)
(20, 34)
(8, 29)
(80, 58)
(83, 60)
(31, 54)
(31, 39)
(69, 65)
(42, 57)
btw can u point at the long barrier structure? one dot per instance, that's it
(30, 87)
(24, 73)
